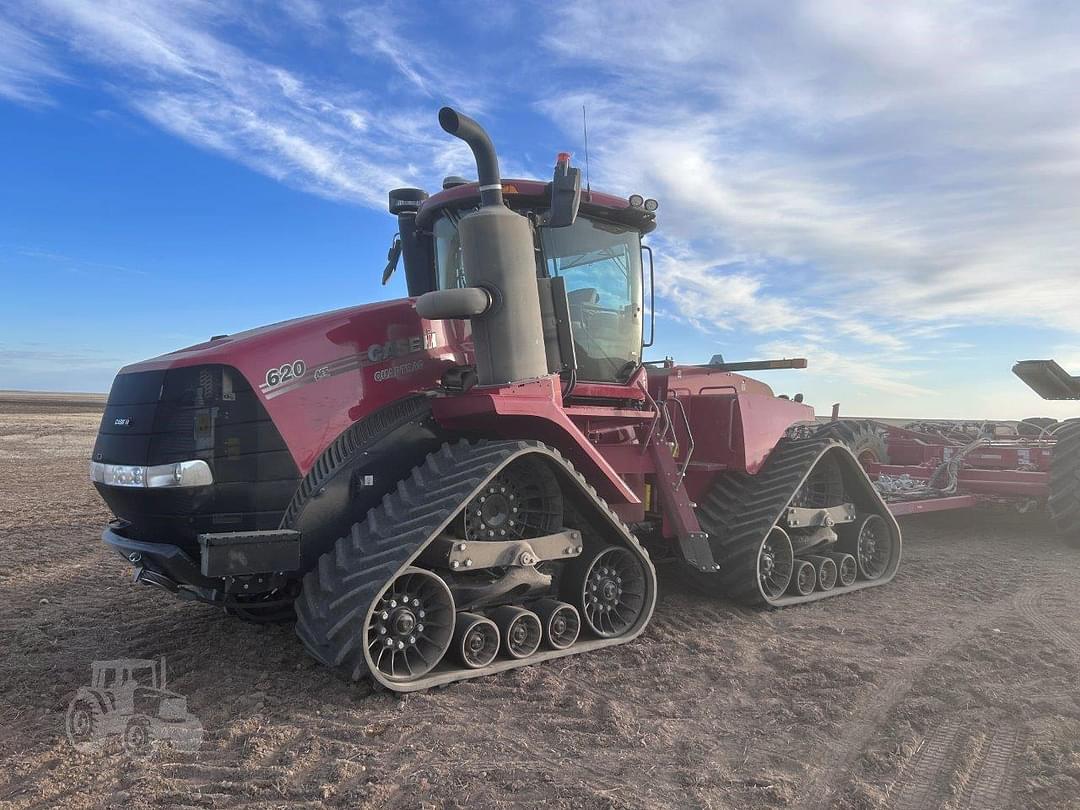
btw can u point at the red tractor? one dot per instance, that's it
(467, 480)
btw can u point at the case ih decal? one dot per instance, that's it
(290, 376)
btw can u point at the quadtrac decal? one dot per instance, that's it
(289, 376)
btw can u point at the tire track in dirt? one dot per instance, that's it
(924, 785)
(1031, 605)
(826, 779)
(991, 789)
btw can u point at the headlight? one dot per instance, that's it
(178, 474)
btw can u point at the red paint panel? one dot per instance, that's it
(355, 361)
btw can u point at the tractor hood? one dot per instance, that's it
(314, 375)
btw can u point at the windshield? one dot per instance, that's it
(601, 268)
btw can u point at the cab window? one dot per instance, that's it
(601, 268)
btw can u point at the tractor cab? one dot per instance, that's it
(590, 247)
(128, 673)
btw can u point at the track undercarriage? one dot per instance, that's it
(488, 557)
(808, 526)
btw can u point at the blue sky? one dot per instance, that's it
(892, 190)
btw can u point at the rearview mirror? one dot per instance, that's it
(392, 257)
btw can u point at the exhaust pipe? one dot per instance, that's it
(502, 298)
(487, 162)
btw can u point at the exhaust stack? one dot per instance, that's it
(502, 299)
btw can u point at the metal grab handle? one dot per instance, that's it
(689, 439)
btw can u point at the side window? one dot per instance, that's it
(449, 268)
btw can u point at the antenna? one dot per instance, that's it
(585, 129)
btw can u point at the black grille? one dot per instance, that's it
(200, 412)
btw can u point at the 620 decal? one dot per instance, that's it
(283, 373)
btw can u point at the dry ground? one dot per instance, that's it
(956, 686)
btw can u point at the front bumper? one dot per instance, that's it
(160, 564)
(232, 564)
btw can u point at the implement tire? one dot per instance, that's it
(1064, 500)
(861, 437)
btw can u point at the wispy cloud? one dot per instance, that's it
(909, 164)
(173, 63)
(26, 66)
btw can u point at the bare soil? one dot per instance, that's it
(955, 686)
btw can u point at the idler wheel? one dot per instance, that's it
(804, 578)
(520, 629)
(561, 623)
(612, 594)
(476, 640)
(775, 563)
(846, 568)
(411, 626)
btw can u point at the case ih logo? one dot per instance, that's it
(375, 353)
(127, 700)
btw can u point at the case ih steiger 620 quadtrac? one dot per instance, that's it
(467, 480)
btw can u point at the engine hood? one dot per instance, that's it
(318, 374)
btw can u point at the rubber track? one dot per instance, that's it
(741, 509)
(331, 612)
(1064, 500)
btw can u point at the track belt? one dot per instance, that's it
(740, 511)
(340, 593)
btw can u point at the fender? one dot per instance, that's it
(531, 410)
(356, 470)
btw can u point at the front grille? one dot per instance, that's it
(200, 412)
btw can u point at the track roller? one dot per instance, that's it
(520, 630)
(476, 640)
(826, 571)
(803, 578)
(613, 593)
(561, 623)
(872, 545)
(847, 568)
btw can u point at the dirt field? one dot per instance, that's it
(956, 686)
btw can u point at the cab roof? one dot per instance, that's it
(535, 193)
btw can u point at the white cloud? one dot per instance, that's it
(26, 67)
(920, 157)
(174, 63)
